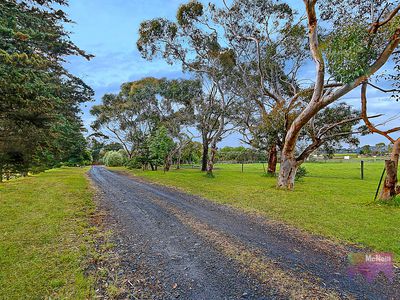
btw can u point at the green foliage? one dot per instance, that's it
(381, 148)
(366, 149)
(240, 154)
(301, 172)
(160, 145)
(191, 153)
(349, 52)
(134, 163)
(133, 115)
(151, 31)
(115, 158)
(227, 59)
(394, 202)
(352, 44)
(40, 125)
(189, 12)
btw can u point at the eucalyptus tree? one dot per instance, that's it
(184, 96)
(141, 107)
(192, 152)
(391, 87)
(255, 50)
(260, 133)
(119, 119)
(268, 40)
(196, 46)
(353, 49)
(211, 122)
(161, 146)
(330, 128)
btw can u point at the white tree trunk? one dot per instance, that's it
(287, 172)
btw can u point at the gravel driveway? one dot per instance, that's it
(186, 247)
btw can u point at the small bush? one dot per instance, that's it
(134, 163)
(114, 159)
(301, 172)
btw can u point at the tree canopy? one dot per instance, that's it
(39, 99)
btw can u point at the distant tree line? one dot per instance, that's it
(40, 125)
(241, 155)
(114, 155)
(380, 149)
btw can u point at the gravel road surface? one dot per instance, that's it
(175, 245)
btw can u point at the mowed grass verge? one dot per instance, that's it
(331, 201)
(43, 224)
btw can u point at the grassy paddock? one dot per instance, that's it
(331, 200)
(43, 220)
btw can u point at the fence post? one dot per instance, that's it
(380, 182)
(362, 170)
(242, 167)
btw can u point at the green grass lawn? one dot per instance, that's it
(43, 221)
(331, 200)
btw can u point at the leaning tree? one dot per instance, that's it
(269, 43)
(348, 50)
(351, 49)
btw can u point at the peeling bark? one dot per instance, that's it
(287, 172)
(390, 188)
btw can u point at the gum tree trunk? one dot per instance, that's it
(287, 172)
(167, 164)
(211, 160)
(178, 163)
(204, 157)
(390, 188)
(272, 160)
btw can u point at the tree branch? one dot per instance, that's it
(315, 51)
(375, 26)
(382, 59)
(383, 90)
(364, 116)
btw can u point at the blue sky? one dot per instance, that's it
(108, 29)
